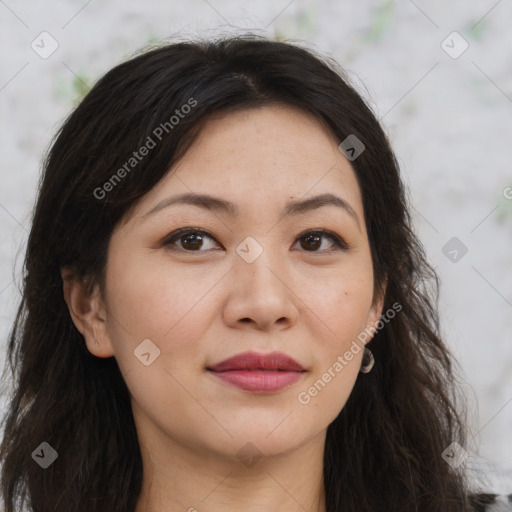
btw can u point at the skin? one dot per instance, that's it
(205, 304)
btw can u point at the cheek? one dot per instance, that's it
(152, 299)
(341, 301)
(163, 304)
(170, 309)
(340, 309)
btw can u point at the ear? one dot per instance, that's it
(87, 311)
(376, 309)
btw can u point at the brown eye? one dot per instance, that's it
(312, 240)
(190, 240)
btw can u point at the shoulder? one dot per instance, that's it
(487, 502)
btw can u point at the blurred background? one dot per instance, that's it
(438, 74)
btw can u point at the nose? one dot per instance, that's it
(261, 295)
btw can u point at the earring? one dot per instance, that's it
(97, 343)
(368, 361)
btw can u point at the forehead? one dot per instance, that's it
(265, 155)
(259, 141)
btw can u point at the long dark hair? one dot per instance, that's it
(384, 450)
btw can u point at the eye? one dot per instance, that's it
(190, 239)
(193, 240)
(313, 240)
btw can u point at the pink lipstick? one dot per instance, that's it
(259, 373)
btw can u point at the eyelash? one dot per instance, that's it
(340, 244)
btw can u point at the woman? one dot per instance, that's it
(220, 231)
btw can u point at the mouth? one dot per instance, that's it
(258, 373)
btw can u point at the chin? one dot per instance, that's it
(260, 439)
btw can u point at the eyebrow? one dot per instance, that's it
(209, 202)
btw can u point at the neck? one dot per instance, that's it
(180, 478)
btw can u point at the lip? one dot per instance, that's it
(259, 373)
(256, 361)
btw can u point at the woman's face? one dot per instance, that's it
(239, 278)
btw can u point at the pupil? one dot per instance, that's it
(193, 239)
(315, 239)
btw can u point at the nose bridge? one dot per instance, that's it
(259, 263)
(260, 293)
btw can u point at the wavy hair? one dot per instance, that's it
(382, 452)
